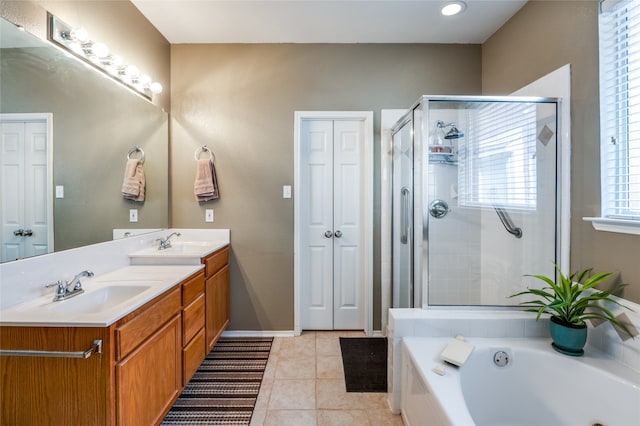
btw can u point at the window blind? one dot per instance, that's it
(497, 165)
(619, 34)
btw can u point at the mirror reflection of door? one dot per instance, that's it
(25, 179)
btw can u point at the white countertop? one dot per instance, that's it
(123, 290)
(180, 253)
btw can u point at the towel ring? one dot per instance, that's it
(202, 149)
(136, 148)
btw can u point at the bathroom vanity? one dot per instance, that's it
(124, 364)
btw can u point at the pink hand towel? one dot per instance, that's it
(133, 185)
(205, 186)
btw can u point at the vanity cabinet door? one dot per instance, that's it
(47, 391)
(143, 398)
(217, 306)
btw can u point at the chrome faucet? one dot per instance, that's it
(165, 243)
(63, 290)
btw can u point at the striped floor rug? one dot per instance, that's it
(224, 389)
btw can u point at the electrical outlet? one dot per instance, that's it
(59, 191)
(133, 215)
(208, 215)
(286, 191)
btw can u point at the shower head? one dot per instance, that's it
(454, 133)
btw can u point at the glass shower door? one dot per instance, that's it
(490, 191)
(402, 217)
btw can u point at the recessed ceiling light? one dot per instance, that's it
(453, 8)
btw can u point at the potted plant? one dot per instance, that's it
(570, 302)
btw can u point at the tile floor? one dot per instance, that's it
(303, 385)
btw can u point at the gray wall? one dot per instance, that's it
(541, 37)
(240, 101)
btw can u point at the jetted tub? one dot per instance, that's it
(537, 386)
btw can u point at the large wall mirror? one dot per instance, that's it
(70, 189)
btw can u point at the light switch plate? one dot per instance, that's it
(208, 215)
(133, 215)
(59, 191)
(286, 191)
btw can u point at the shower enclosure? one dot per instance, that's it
(474, 199)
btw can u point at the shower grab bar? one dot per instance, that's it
(96, 348)
(506, 222)
(404, 214)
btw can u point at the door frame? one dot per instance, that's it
(47, 117)
(367, 249)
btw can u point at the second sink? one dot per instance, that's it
(99, 300)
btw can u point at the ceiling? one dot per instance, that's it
(325, 21)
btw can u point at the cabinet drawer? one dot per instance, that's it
(214, 262)
(192, 288)
(134, 332)
(192, 319)
(192, 356)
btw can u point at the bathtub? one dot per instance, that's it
(537, 386)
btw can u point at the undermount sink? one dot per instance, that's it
(98, 300)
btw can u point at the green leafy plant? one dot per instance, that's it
(574, 299)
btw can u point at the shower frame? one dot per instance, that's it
(420, 128)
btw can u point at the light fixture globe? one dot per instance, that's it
(453, 8)
(100, 50)
(155, 87)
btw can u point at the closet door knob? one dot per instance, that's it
(338, 234)
(28, 232)
(18, 232)
(328, 234)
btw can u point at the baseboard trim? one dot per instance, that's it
(273, 333)
(258, 333)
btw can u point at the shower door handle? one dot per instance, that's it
(405, 211)
(438, 208)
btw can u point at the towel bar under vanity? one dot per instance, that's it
(96, 348)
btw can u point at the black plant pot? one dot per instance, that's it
(568, 339)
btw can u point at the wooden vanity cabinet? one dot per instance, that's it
(147, 358)
(216, 295)
(56, 391)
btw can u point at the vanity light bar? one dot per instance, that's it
(76, 42)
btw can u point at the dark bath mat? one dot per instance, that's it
(365, 363)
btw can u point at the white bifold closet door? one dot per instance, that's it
(332, 190)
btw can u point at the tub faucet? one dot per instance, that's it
(67, 289)
(165, 243)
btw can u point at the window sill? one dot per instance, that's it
(622, 226)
